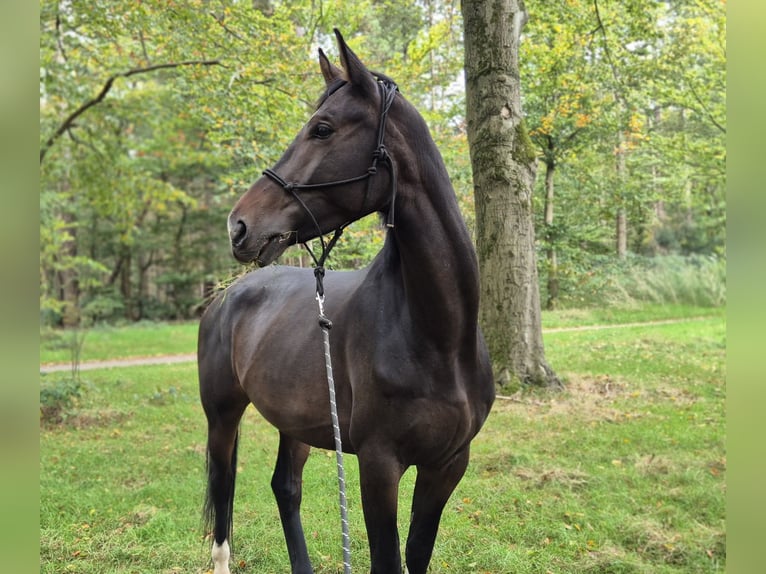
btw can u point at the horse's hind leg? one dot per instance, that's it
(287, 486)
(433, 488)
(223, 415)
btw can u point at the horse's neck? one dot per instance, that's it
(436, 262)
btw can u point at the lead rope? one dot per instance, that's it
(325, 324)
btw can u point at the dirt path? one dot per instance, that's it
(191, 357)
(126, 362)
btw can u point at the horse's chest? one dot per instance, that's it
(422, 430)
(416, 402)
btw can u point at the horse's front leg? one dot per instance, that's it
(287, 486)
(224, 407)
(433, 487)
(379, 477)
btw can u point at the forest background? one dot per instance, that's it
(155, 116)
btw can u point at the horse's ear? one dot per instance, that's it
(330, 71)
(357, 73)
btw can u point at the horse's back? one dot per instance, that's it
(275, 293)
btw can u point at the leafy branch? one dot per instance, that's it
(706, 110)
(68, 123)
(619, 85)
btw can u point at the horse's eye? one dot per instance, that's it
(322, 131)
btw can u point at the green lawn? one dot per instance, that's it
(623, 472)
(143, 339)
(149, 338)
(616, 315)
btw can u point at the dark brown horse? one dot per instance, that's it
(413, 378)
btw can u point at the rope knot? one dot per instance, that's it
(289, 186)
(381, 153)
(319, 275)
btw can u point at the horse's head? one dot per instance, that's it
(331, 174)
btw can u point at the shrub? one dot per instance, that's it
(57, 398)
(692, 280)
(605, 281)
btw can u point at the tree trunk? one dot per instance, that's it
(143, 284)
(503, 162)
(126, 284)
(553, 268)
(621, 227)
(70, 284)
(622, 233)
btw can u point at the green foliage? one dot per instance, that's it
(102, 304)
(603, 281)
(57, 398)
(699, 281)
(135, 193)
(622, 123)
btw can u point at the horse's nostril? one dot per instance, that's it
(238, 233)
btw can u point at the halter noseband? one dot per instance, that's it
(388, 89)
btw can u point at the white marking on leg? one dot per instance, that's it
(221, 555)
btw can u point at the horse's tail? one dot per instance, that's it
(218, 512)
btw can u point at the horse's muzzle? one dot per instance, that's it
(238, 233)
(261, 248)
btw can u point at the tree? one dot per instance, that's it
(503, 161)
(625, 103)
(142, 152)
(561, 102)
(155, 117)
(688, 137)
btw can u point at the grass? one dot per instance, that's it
(158, 338)
(144, 339)
(623, 472)
(644, 313)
